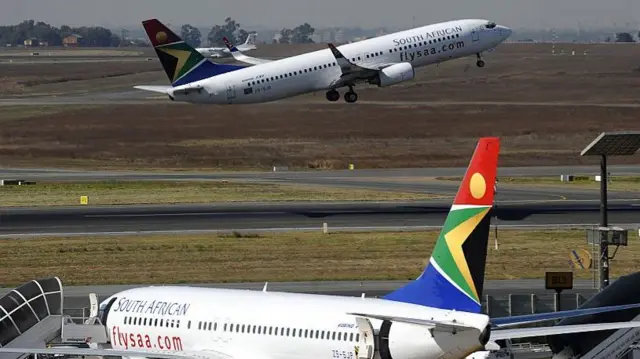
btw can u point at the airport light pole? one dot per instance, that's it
(609, 144)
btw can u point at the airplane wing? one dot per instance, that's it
(205, 354)
(352, 72)
(239, 56)
(534, 318)
(436, 324)
(501, 334)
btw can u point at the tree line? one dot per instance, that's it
(95, 36)
(232, 30)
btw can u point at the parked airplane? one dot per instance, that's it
(438, 315)
(218, 52)
(383, 61)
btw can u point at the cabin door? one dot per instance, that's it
(231, 92)
(365, 349)
(475, 35)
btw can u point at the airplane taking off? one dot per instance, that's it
(436, 316)
(383, 61)
(219, 52)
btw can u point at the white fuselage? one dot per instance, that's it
(278, 325)
(318, 70)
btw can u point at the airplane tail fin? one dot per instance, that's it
(454, 277)
(181, 62)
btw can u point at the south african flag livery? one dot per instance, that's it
(182, 63)
(454, 276)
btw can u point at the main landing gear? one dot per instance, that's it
(480, 62)
(349, 96)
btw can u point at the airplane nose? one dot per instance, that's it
(504, 31)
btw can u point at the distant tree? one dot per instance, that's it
(285, 36)
(92, 36)
(624, 37)
(228, 30)
(302, 34)
(191, 35)
(242, 36)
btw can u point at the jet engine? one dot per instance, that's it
(394, 74)
(403, 341)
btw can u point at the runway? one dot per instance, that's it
(262, 217)
(127, 97)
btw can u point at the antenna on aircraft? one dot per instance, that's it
(264, 289)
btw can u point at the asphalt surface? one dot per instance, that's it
(400, 216)
(405, 180)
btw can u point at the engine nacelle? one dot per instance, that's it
(395, 74)
(409, 341)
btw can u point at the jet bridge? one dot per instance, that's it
(31, 315)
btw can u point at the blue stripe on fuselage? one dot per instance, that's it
(432, 289)
(205, 70)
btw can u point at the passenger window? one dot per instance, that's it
(357, 337)
(215, 326)
(333, 336)
(224, 328)
(340, 336)
(351, 337)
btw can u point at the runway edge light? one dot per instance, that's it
(84, 200)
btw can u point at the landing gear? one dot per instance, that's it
(333, 95)
(350, 96)
(480, 62)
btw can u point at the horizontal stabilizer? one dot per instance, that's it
(534, 318)
(501, 334)
(436, 324)
(159, 89)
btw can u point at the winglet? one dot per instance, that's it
(343, 62)
(229, 45)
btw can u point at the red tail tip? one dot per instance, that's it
(158, 33)
(478, 184)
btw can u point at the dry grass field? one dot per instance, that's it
(312, 136)
(308, 132)
(279, 257)
(132, 193)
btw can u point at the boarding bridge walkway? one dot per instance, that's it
(31, 316)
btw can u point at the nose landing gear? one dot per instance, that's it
(480, 62)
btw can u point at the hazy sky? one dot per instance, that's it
(320, 13)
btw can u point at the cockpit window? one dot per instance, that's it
(490, 25)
